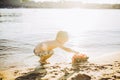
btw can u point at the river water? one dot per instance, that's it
(92, 31)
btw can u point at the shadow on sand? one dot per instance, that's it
(37, 74)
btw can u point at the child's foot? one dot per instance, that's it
(44, 62)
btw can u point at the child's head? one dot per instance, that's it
(62, 37)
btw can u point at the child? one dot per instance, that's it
(45, 49)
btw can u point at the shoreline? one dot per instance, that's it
(55, 71)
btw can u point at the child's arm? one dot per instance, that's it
(68, 49)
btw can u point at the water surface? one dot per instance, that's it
(92, 31)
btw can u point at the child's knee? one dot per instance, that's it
(48, 56)
(45, 57)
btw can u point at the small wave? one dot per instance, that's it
(10, 14)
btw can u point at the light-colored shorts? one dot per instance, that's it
(44, 53)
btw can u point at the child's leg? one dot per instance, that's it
(44, 58)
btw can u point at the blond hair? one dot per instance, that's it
(62, 36)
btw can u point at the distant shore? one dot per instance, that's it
(65, 4)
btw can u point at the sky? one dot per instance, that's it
(87, 1)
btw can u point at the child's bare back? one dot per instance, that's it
(47, 46)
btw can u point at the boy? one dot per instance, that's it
(45, 49)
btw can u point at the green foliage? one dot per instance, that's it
(25, 0)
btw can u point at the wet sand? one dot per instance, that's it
(103, 68)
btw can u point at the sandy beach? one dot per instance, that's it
(102, 68)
